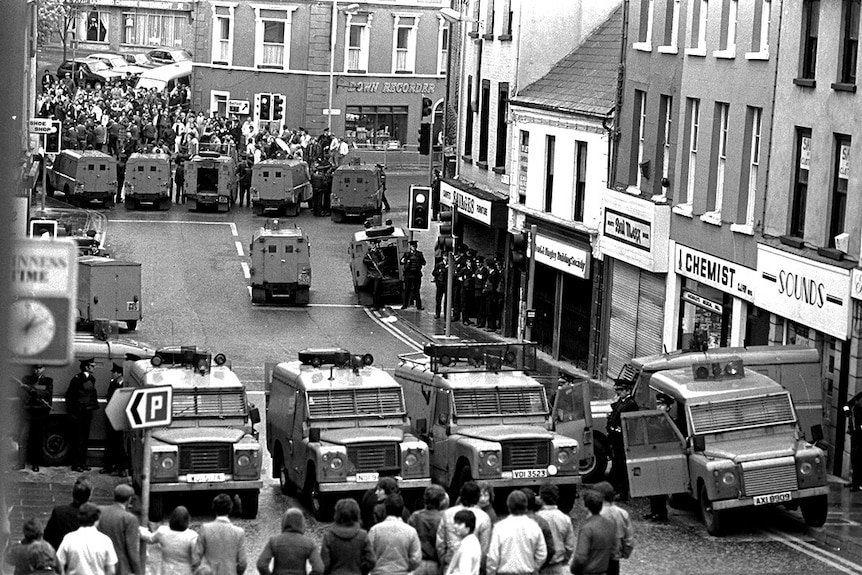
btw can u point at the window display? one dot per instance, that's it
(379, 126)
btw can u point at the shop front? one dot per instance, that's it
(481, 221)
(715, 306)
(811, 305)
(564, 305)
(634, 240)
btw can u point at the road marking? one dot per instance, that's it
(245, 271)
(233, 229)
(239, 251)
(272, 307)
(203, 223)
(831, 559)
(395, 332)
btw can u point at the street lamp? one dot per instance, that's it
(335, 10)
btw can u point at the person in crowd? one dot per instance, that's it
(373, 508)
(385, 201)
(244, 173)
(376, 272)
(115, 450)
(86, 551)
(345, 549)
(517, 544)
(395, 544)
(853, 413)
(122, 527)
(489, 293)
(180, 180)
(624, 403)
(440, 275)
(64, 518)
(480, 275)
(48, 81)
(486, 501)
(467, 281)
(37, 396)
(177, 543)
(81, 402)
(622, 522)
(562, 532)
(597, 539)
(468, 558)
(533, 506)
(18, 555)
(220, 544)
(412, 263)
(447, 540)
(425, 522)
(290, 550)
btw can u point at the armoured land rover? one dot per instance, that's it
(280, 185)
(280, 263)
(148, 181)
(211, 444)
(335, 425)
(485, 418)
(211, 180)
(731, 440)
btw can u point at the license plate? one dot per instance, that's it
(131, 306)
(529, 473)
(204, 477)
(772, 498)
(367, 477)
(222, 200)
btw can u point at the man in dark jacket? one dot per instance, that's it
(345, 548)
(115, 453)
(597, 539)
(122, 527)
(64, 518)
(81, 402)
(853, 412)
(625, 402)
(425, 522)
(290, 550)
(440, 276)
(37, 394)
(412, 262)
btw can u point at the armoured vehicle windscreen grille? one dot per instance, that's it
(205, 458)
(196, 403)
(772, 476)
(526, 454)
(374, 457)
(718, 416)
(356, 403)
(499, 401)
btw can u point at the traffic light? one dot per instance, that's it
(43, 228)
(419, 208)
(424, 139)
(446, 231)
(52, 140)
(277, 107)
(426, 107)
(519, 248)
(265, 106)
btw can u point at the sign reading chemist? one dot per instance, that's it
(803, 290)
(564, 257)
(715, 272)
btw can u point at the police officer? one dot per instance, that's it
(374, 262)
(440, 275)
(37, 393)
(481, 275)
(115, 453)
(467, 279)
(81, 402)
(412, 263)
(624, 403)
(658, 503)
(853, 412)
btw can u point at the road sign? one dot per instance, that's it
(41, 126)
(332, 112)
(241, 107)
(44, 287)
(116, 408)
(150, 407)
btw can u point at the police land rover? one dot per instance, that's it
(211, 444)
(335, 425)
(486, 419)
(730, 440)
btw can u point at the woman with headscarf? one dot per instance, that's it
(289, 551)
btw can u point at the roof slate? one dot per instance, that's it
(584, 81)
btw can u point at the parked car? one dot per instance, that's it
(161, 56)
(117, 63)
(94, 70)
(139, 60)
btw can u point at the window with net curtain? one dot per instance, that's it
(273, 43)
(153, 29)
(376, 125)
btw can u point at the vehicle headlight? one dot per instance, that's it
(563, 457)
(168, 462)
(806, 468)
(410, 460)
(491, 459)
(336, 463)
(729, 478)
(243, 460)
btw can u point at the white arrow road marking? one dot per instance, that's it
(394, 331)
(239, 250)
(831, 559)
(246, 272)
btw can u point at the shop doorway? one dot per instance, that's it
(706, 318)
(575, 320)
(544, 293)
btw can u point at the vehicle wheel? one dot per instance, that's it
(132, 324)
(814, 510)
(462, 475)
(713, 519)
(249, 499)
(319, 504)
(258, 209)
(679, 501)
(165, 204)
(157, 507)
(293, 210)
(302, 296)
(56, 447)
(258, 295)
(283, 482)
(594, 469)
(337, 217)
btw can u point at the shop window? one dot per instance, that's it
(144, 28)
(485, 118)
(379, 126)
(404, 46)
(272, 38)
(840, 179)
(97, 26)
(728, 30)
(645, 23)
(523, 165)
(849, 42)
(750, 166)
(222, 41)
(699, 21)
(800, 182)
(671, 27)
(808, 42)
(468, 122)
(358, 30)
(502, 145)
(760, 30)
(550, 153)
(706, 317)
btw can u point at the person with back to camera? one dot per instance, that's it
(622, 522)
(290, 550)
(86, 551)
(122, 528)
(345, 549)
(396, 546)
(447, 540)
(597, 540)
(425, 522)
(221, 545)
(18, 555)
(517, 544)
(561, 528)
(177, 543)
(64, 518)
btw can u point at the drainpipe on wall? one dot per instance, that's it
(614, 115)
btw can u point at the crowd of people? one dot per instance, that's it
(477, 288)
(375, 537)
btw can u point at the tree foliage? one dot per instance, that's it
(57, 17)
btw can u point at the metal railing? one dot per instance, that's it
(403, 157)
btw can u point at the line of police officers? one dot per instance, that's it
(477, 290)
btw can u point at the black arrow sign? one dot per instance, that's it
(136, 402)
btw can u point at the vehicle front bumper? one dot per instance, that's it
(749, 501)
(227, 485)
(348, 485)
(529, 482)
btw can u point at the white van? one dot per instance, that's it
(166, 77)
